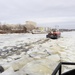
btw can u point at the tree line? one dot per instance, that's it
(16, 28)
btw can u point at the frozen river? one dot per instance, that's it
(13, 39)
(34, 54)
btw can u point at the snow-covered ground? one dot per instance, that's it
(34, 54)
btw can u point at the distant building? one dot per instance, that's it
(30, 25)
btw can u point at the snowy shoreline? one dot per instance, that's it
(34, 54)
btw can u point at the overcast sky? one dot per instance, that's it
(44, 12)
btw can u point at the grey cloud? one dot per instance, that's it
(16, 11)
